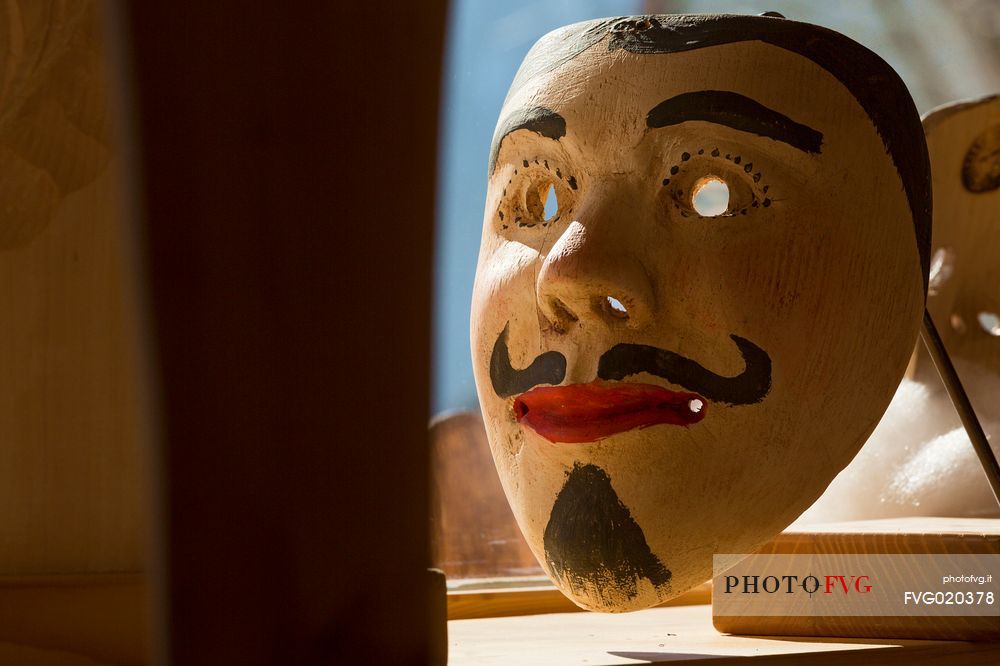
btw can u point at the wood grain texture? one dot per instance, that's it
(71, 499)
(473, 532)
(464, 605)
(964, 142)
(680, 634)
(11, 653)
(893, 535)
(55, 126)
(287, 163)
(941, 536)
(94, 616)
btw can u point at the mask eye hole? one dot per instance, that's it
(989, 322)
(710, 196)
(539, 193)
(551, 203)
(545, 200)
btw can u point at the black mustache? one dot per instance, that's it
(548, 368)
(746, 388)
(623, 360)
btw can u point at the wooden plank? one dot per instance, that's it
(97, 616)
(915, 536)
(463, 605)
(678, 634)
(23, 655)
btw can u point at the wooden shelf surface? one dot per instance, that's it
(675, 634)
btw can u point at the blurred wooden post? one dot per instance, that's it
(284, 164)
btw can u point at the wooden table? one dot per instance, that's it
(675, 634)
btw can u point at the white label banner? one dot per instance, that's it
(828, 585)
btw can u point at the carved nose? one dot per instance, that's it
(590, 277)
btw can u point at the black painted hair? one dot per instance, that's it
(876, 86)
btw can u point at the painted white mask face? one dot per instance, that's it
(661, 382)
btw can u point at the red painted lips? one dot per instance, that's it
(588, 412)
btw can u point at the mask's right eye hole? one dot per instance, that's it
(710, 197)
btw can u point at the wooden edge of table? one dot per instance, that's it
(883, 627)
(101, 616)
(470, 604)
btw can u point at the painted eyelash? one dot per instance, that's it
(567, 178)
(738, 160)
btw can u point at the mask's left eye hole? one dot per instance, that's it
(545, 200)
(551, 206)
(538, 195)
(710, 197)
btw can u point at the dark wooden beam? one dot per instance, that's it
(283, 163)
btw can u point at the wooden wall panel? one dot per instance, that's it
(284, 155)
(70, 463)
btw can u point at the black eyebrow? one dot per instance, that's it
(736, 111)
(538, 119)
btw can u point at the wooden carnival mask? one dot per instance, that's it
(660, 384)
(964, 141)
